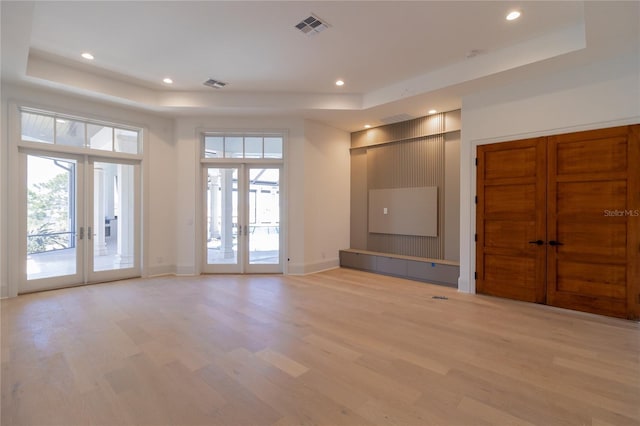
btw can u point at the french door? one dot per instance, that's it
(242, 218)
(80, 220)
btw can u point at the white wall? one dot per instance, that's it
(316, 172)
(188, 238)
(316, 191)
(326, 203)
(158, 171)
(603, 94)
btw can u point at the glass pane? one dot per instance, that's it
(70, 132)
(126, 141)
(252, 147)
(273, 147)
(264, 213)
(113, 230)
(37, 128)
(100, 137)
(51, 217)
(222, 216)
(213, 146)
(233, 147)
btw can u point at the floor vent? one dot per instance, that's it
(311, 25)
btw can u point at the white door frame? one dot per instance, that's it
(25, 285)
(243, 230)
(84, 206)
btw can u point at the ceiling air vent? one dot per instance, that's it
(312, 25)
(214, 83)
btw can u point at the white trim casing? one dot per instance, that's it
(16, 174)
(202, 162)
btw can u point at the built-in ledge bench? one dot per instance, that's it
(436, 271)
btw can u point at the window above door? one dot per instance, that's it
(78, 134)
(243, 146)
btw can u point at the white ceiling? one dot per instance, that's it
(395, 57)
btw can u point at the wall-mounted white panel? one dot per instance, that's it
(404, 211)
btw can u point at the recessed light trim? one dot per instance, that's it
(513, 15)
(88, 56)
(167, 80)
(432, 111)
(339, 83)
(367, 126)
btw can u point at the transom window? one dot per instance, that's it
(243, 146)
(51, 128)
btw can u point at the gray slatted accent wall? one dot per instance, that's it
(402, 155)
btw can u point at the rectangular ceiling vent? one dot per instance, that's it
(214, 83)
(312, 25)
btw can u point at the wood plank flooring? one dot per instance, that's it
(342, 347)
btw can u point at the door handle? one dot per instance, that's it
(81, 232)
(89, 233)
(239, 230)
(555, 243)
(537, 242)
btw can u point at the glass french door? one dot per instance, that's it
(80, 221)
(113, 230)
(242, 223)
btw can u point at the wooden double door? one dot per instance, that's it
(558, 221)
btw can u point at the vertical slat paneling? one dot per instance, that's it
(410, 161)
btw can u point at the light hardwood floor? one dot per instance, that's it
(342, 347)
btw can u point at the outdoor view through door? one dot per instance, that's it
(113, 216)
(57, 228)
(242, 198)
(243, 214)
(51, 217)
(80, 221)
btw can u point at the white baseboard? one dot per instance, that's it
(183, 270)
(313, 267)
(161, 270)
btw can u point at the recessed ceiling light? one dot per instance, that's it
(513, 15)
(432, 111)
(367, 126)
(167, 80)
(87, 55)
(339, 83)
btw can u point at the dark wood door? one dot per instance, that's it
(511, 215)
(593, 217)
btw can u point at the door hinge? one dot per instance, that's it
(475, 237)
(476, 198)
(475, 275)
(476, 161)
